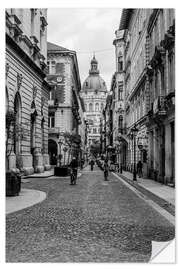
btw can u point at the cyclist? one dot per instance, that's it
(74, 169)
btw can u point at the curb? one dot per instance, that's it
(158, 200)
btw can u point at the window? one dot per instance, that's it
(86, 84)
(97, 107)
(32, 21)
(121, 124)
(94, 130)
(120, 90)
(48, 66)
(120, 63)
(90, 107)
(51, 120)
(53, 67)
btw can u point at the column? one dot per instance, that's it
(168, 157)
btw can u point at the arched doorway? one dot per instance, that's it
(123, 152)
(52, 151)
(17, 127)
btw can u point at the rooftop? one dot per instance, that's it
(54, 47)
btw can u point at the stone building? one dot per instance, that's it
(149, 85)
(65, 105)
(94, 94)
(26, 89)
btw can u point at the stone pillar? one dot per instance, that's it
(12, 161)
(168, 153)
(38, 161)
(155, 150)
(27, 163)
(47, 166)
(151, 153)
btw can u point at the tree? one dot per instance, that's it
(95, 149)
(73, 142)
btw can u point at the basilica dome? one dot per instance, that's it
(94, 80)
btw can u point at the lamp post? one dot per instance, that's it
(134, 132)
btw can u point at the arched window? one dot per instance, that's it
(97, 107)
(17, 114)
(121, 124)
(90, 107)
(85, 105)
(120, 62)
(102, 106)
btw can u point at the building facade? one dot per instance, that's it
(149, 90)
(26, 89)
(65, 105)
(94, 94)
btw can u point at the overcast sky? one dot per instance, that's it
(85, 31)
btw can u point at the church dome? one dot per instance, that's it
(94, 80)
(95, 83)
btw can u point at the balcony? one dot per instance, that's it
(53, 130)
(159, 106)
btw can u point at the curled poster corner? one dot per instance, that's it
(163, 252)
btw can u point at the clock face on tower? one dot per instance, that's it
(59, 79)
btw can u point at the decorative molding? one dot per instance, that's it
(7, 69)
(34, 88)
(42, 104)
(19, 81)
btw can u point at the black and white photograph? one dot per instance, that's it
(89, 134)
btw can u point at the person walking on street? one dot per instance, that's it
(139, 168)
(106, 170)
(74, 169)
(92, 164)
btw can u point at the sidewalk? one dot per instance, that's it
(40, 175)
(160, 193)
(29, 197)
(26, 198)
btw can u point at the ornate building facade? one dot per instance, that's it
(148, 38)
(26, 89)
(66, 107)
(94, 94)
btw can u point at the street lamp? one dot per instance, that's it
(134, 132)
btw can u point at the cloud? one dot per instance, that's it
(85, 31)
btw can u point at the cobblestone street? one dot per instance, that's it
(94, 221)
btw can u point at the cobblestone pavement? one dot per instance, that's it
(94, 221)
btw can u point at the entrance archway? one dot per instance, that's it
(52, 151)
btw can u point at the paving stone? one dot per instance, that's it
(88, 222)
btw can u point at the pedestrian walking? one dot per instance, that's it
(139, 168)
(92, 164)
(106, 170)
(74, 169)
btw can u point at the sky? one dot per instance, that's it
(86, 31)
